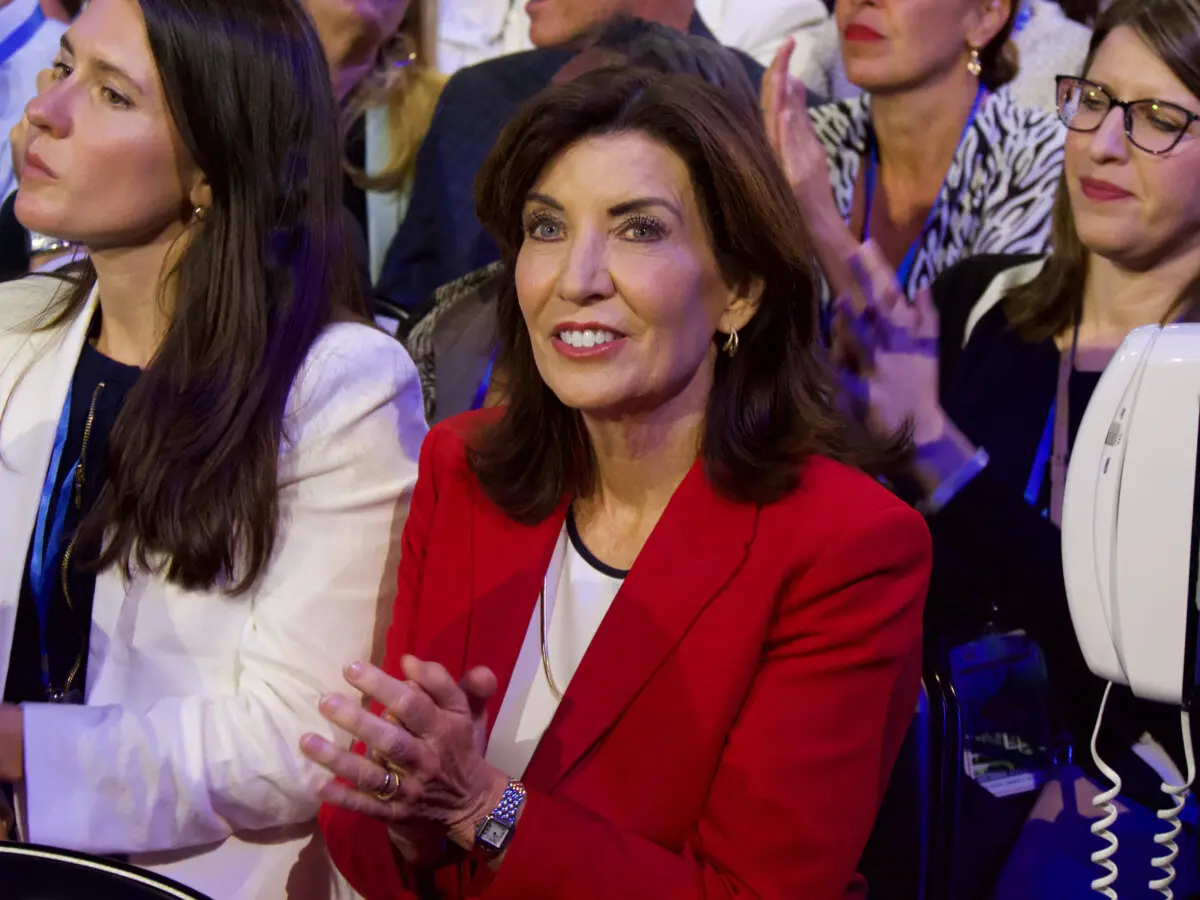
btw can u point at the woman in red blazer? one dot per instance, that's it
(656, 634)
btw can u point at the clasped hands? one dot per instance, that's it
(424, 772)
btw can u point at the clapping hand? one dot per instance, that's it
(886, 350)
(792, 135)
(424, 772)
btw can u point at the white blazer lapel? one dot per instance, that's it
(35, 373)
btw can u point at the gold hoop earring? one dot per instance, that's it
(974, 66)
(731, 343)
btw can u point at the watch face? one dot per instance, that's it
(494, 834)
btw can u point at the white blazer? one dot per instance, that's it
(185, 755)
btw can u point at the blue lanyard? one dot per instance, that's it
(12, 44)
(46, 550)
(1046, 448)
(871, 174)
(481, 393)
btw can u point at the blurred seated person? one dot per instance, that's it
(1046, 40)
(387, 82)
(441, 238)
(993, 448)
(756, 28)
(29, 34)
(633, 677)
(184, 419)
(936, 162)
(454, 345)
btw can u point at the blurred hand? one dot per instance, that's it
(792, 136)
(433, 735)
(886, 350)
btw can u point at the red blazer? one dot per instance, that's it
(732, 726)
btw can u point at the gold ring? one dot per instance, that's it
(391, 784)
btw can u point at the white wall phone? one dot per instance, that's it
(1130, 534)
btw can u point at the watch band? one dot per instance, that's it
(42, 243)
(496, 830)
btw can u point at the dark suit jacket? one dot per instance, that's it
(734, 721)
(441, 239)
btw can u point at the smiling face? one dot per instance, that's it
(1131, 206)
(618, 282)
(103, 163)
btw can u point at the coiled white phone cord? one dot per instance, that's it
(1103, 857)
(1178, 794)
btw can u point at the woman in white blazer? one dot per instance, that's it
(205, 455)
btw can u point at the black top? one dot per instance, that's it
(992, 547)
(98, 388)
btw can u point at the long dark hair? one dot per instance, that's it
(1051, 302)
(773, 404)
(191, 480)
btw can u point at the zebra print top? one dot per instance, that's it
(996, 197)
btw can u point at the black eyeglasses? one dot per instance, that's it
(1151, 125)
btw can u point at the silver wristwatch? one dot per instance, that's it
(496, 830)
(43, 243)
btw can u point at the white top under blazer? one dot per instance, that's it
(185, 755)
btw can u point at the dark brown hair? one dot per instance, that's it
(772, 405)
(191, 480)
(1050, 303)
(1000, 60)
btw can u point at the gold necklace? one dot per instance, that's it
(558, 695)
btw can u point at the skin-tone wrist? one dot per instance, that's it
(939, 459)
(12, 746)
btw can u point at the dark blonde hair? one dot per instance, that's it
(1052, 301)
(773, 404)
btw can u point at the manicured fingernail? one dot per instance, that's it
(331, 701)
(309, 742)
(354, 670)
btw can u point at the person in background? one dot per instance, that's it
(995, 442)
(208, 452)
(679, 650)
(454, 346)
(381, 59)
(936, 163)
(756, 28)
(441, 238)
(1047, 43)
(29, 34)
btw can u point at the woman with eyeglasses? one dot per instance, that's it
(995, 441)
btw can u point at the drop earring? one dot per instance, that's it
(974, 66)
(731, 343)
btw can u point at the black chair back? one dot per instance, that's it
(30, 872)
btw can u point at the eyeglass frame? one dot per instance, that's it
(1126, 107)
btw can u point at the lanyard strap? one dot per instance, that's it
(1053, 451)
(46, 548)
(482, 391)
(871, 175)
(21, 36)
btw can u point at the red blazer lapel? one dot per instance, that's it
(509, 562)
(699, 543)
